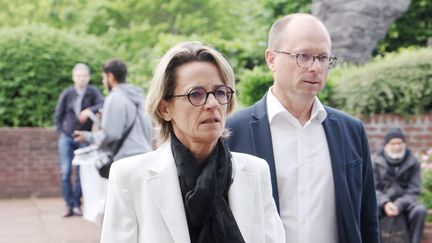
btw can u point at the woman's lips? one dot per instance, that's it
(211, 120)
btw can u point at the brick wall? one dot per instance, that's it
(418, 130)
(29, 163)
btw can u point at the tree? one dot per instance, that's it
(414, 28)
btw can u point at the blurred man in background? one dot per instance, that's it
(123, 116)
(398, 185)
(68, 118)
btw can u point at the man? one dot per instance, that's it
(318, 157)
(397, 183)
(70, 116)
(124, 107)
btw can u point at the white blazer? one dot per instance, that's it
(144, 202)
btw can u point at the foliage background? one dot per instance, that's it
(41, 41)
(141, 31)
(398, 83)
(35, 67)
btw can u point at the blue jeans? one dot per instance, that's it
(71, 193)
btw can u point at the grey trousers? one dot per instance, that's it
(415, 214)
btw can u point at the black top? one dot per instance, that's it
(66, 119)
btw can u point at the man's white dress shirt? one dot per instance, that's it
(304, 174)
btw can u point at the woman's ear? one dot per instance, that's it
(164, 110)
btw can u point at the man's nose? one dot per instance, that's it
(316, 65)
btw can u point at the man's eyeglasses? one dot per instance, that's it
(198, 96)
(306, 60)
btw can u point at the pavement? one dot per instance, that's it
(39, 220)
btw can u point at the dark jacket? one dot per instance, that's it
(356, 206)
(401, 187)
(65, 119)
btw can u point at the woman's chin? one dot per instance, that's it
(211, 136)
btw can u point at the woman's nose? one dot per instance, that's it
(211, 101)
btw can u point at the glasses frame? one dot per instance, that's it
(188, 94)
(332, 59)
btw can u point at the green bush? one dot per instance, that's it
(425, 159)
(426, 192)
(254, 84)
(35, 66)
(399, 83)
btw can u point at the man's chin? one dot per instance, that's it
(396, 155)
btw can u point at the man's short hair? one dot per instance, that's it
(81, 66)
(118, 69)
(278, 27)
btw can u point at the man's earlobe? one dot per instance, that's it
(269, 56)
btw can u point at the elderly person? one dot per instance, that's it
(398, 185)
(192, 188)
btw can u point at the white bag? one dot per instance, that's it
(93, 186)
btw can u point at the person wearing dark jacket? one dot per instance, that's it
(319, 160)
(70, 114)
(398, 184)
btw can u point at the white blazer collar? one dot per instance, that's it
(241, 198)
(165, 190)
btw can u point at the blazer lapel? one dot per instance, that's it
(165, 190)
(262, 141)
(335, 142)
(241, 198)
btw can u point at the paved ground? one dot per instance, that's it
(39, 220)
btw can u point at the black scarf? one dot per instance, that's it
(205, 194)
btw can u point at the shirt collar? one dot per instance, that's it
(275, 107)
(80, 92)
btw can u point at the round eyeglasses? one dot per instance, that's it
(198, 96)
(306, 60)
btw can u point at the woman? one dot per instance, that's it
(192, 188)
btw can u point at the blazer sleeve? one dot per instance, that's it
(369, 212)
(120, 224)
(274, 230)
(98, 101)
(60, 111)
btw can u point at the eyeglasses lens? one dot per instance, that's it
(197, 96)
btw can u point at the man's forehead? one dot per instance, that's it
(81, 71)
(396, 140)
(307, 39)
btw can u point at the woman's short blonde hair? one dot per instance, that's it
(164, 80)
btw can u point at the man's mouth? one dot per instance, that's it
(311, 82)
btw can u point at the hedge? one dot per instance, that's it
(35, 66)
(255, 83)
(399, 83)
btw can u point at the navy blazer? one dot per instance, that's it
(356, 205)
